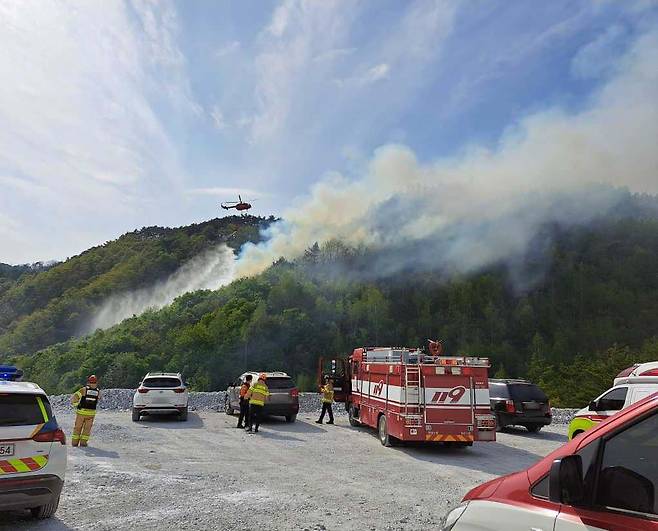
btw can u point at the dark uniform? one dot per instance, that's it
(244, 406)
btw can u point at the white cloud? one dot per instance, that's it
(79, 127)
(228, 49)
(218, 118)
(372, 75)
(599, 56)
(334, 54)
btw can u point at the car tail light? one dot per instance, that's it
(294, 392)
(50, 436)
(179, 390)
(509, 406)
(142, 390)
(650, 372)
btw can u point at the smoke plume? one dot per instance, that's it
(209, 270)
(486, 205)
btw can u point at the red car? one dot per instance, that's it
(606, 478)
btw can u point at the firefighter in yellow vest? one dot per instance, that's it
(85, 401)
(257, 395)
(327, 391)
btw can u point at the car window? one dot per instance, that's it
(588, 459)
(280, 383)
(527, 393)
(161, 382)
(498, 390)
(628, 477)
(613, 400)
(23, 409)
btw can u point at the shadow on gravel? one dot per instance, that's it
(542, 435)
(300, 426)
(493, 457)
(171, 422)
(97, 452)
(275, 436)
(23, 520)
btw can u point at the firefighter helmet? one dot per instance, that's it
(262, 376)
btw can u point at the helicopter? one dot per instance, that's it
(238, 205)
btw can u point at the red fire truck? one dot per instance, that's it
(412, 396)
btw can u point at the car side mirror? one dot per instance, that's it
(565, 482)
(593, 405)
(186, 384)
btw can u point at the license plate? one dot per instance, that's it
(6, 450)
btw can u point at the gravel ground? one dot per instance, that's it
(204, 474)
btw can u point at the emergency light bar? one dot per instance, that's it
(10, 373)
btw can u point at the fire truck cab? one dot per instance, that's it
(408, 395)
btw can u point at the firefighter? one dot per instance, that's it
(257, 395)
(85, 401)
(327, 391)
(244, 403)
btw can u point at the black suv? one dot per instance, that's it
(520, 403)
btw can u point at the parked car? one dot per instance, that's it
(284, 396)
(605, 479)
(161, 392)
(626, 391)
(519, 403)
(32, 450)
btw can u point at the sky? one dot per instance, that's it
(118, 115)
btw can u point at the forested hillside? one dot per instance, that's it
(42, 305)
(592, 311)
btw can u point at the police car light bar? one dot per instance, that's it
(10, 373)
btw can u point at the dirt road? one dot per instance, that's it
(205, 474)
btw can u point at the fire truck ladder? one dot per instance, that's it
(414, 397)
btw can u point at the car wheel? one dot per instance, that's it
(135, 415)
(354, 421)
(534, 428)
(227, 406)
(384, 437)
(291, 418)
(182, 414)
(45, 511)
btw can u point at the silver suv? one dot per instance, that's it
(284, 396)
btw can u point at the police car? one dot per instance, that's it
(32, 448)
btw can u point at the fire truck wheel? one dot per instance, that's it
(353, 417)
(384, 437)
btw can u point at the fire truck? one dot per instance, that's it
(408, 395)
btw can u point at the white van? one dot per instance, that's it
(626, 391)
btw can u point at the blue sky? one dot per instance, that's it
(118, 115)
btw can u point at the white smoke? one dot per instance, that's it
(209, 270)
(486, 205)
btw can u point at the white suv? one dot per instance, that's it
(32, 450)
(161, 392)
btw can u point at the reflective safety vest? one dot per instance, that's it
(87, 400)
(258, 393)
(327, 394)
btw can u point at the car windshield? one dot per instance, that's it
(161, 383)
(498, 390)
(280, 383)
(527, 393)
(22, 409)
